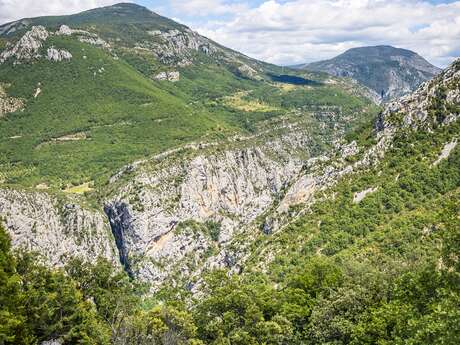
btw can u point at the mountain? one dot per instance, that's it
(129, 136)
(156, 187)
(360, 249)
(113, 85)
(390, 72)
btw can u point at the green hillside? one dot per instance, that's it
(159, 188)
(102, 109)
(383, 270)
(118, 110)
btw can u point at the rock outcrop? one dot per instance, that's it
(436, 102)
(168, 75)
(38, 222)
(28, 46)
(54, 54)
(31, 46)
(446, 150)
(9, 104)
(177, 46)
(359, 196)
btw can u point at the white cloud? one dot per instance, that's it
(206, 7)
(295, 31)
(11, 10)
(307, 30)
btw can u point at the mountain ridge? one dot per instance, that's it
(168, 143)
(390, 72)
(365, 226)
(156, 188)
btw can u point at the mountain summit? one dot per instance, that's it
(390, 72)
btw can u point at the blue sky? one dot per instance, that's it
(295, 31)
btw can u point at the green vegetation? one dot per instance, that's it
(384, 270)
(117, 108)
(102, 109)
(381, 271)
(81, 304)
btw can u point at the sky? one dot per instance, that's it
(290, 32)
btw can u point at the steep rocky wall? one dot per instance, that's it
(36, 221)
(435, 102)
(165, 214)
(200, 207)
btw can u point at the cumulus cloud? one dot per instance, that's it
(307, 30)
(11, 10)
(295, 31)
(207, 7)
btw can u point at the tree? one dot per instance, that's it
(11, 317)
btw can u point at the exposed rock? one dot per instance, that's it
(434, 102)
(248, 71)
(54, 54)
(28, 47)
(269, 226)
(121, 224)
(446, 150)
(299, 193)
(170, 76)
(97, 41)
(359, 196)
(176, 47)
(65, 30)
(37, 222)
(9, 104)
(52, 342)
(350, 149)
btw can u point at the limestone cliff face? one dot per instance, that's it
(165, 213)
(199, 207)
(435, 102)
(38, 222)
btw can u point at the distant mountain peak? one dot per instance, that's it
(389, 71)
(124, 6)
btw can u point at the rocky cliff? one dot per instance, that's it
(203, 200)
(188, 210)
(56, 229)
